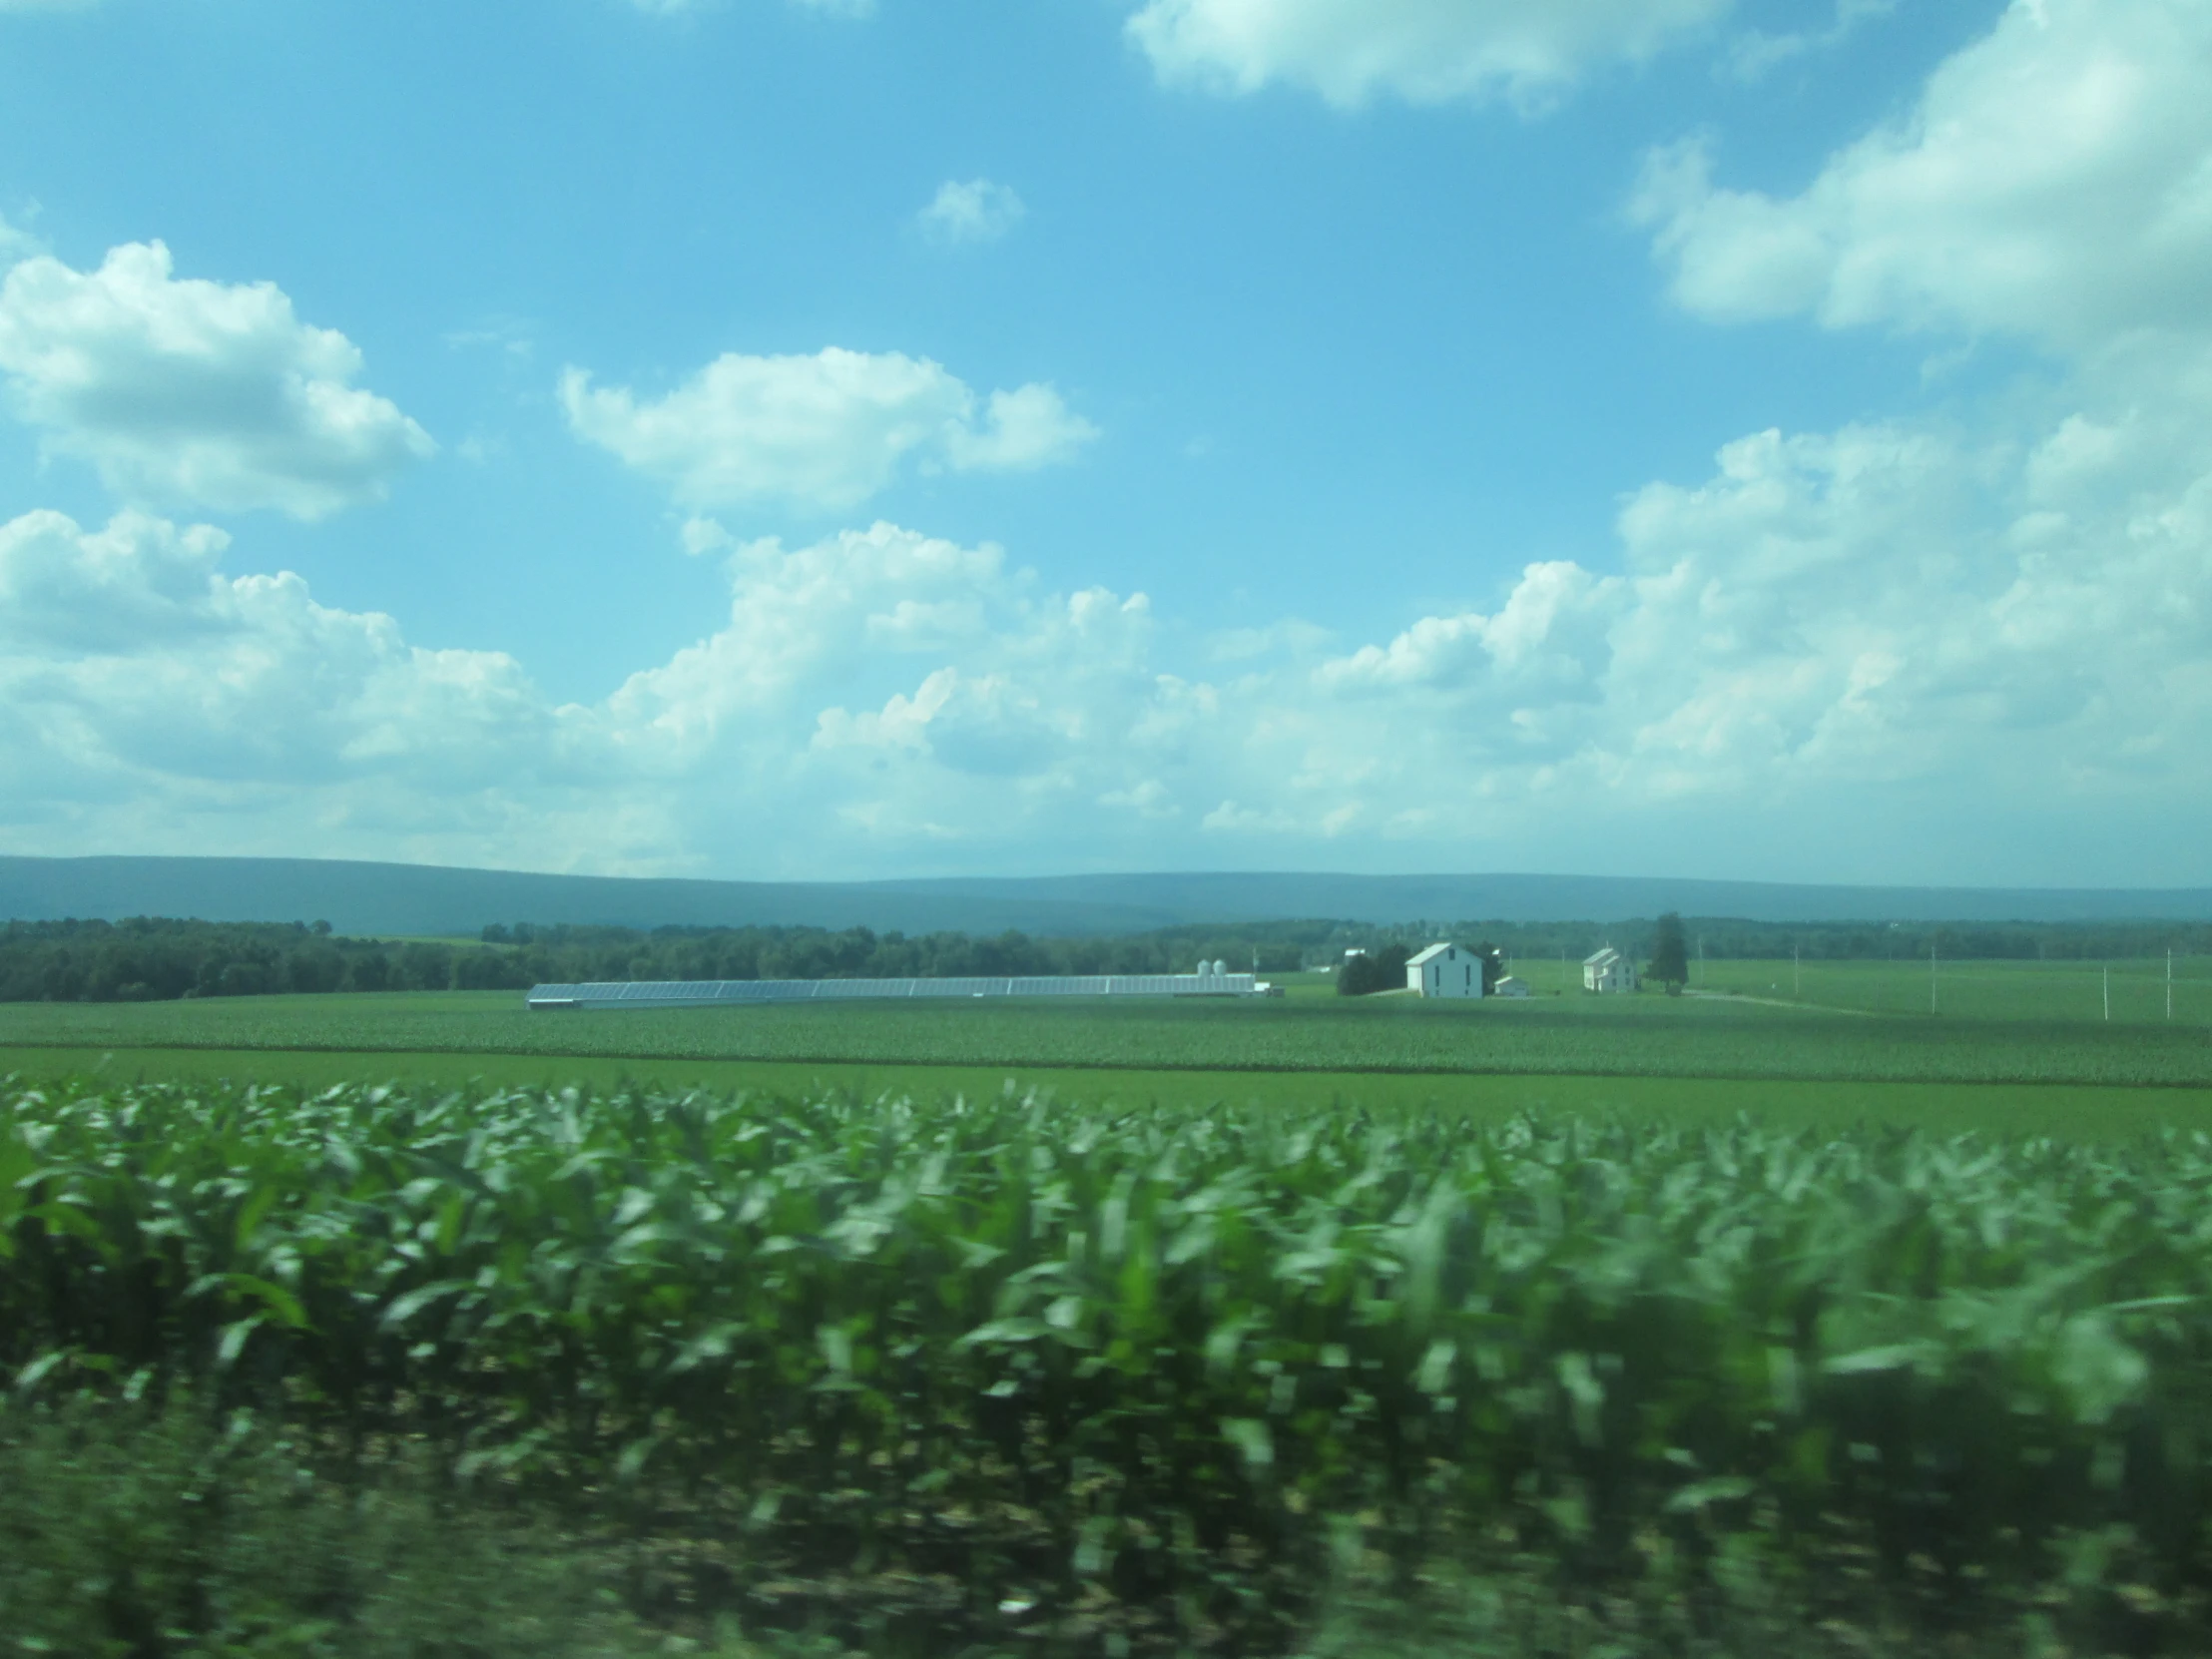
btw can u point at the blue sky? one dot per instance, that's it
(780, 437)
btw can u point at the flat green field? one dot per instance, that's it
(2069, 992)
(1688, 1056)
(1634, 1036)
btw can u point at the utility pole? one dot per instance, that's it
(1797, 972)
(2109, 992)
(1932, 977)
(2169, 984)
(1701, 960)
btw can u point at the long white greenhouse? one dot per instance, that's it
(699, 993)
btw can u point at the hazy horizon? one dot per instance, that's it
(383, 898)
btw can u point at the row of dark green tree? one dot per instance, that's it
(157, 959)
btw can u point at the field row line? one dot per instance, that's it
(1171, 1067)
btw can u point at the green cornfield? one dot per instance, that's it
(1144, 1381)
(1637, 1036)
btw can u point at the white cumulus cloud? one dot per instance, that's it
(2053, 180)
(975, 209)
(158, 701)
(1828, 651)
(1552, 631)
(825, 431)
(196, 394)
(1424, 51)
(140, 581)
(1022, 430)
(1841, 654)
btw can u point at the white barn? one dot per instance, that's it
(1445, 970)
(1608, 970)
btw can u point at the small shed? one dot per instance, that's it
(1445, 970)
(1608, 970)
(1511, 985)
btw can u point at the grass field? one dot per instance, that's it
(2072, 992)
(1640, 1036)
(1690, 1058)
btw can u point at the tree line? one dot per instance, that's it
(157, 959)
(160, 959)
(148, 959)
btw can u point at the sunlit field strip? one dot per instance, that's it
(1649, 1036)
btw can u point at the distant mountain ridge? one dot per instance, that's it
(387, 898)
(434, 899)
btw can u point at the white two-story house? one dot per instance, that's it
(1608, 970)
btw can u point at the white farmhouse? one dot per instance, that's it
(1608, 970)
(1445, 970)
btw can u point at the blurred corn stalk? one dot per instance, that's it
(1147, 1377)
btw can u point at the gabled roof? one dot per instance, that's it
(1432, 950)
(1604, 959)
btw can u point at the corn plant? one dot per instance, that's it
(1138, 1376)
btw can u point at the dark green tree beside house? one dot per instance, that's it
(1379, 970)
(1670, 955)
